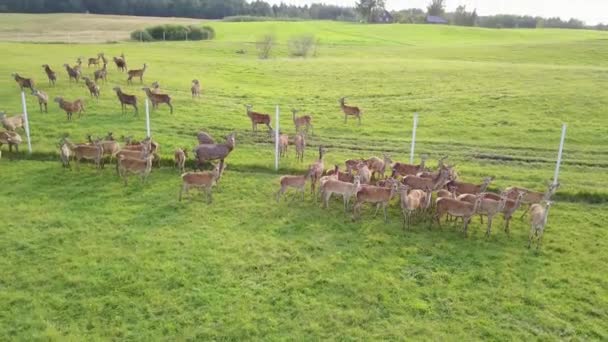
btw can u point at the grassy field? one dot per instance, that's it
(83, 257)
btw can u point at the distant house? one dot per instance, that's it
(384, 17)
(432, 19)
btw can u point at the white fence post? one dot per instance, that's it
(559, 154)
(413, 145)
(276, 141)
(27, 123)
(148, 119)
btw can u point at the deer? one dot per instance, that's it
(147, 144)
(43, 99)
(402, 169)
(110, 147)
(364, 173)
(93, 88)
(88, 152)
(208, 152)
(283, 142)
(102, 74)
(65, 154)
(410, 203)
(137, 73)
(121, 63)
(415, 182)
(11, 139)
(304, 121)
(375, 195)
(538, 220)
(347, 190)
(468, 188)
(204, 138)
(71, 107)
(202, 180)
(510, 208)
(180, 155)
(52, 76)
(195, 89)
(457, 208)
(257, 118)
(378, 166)
(349, 110)
(137, 166)
(11, 123)
(73, 74)
(316, 170)
(157, 99)
(296, 182)
(155, 87)
(23, 82)
(341, 176)
(78, 66)
(488, 206)
(126, 100)
(300, 143)
(352, 164)
(532, 197)
(94, 61)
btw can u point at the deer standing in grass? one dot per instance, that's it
(510, 208)
(195, 89)
(88, 152)
(73, 74)
(378, 166)
(350, 110)
(93, 88)
(347, 190)
(101, 74)
(137, 73)
(71, 107)
(283, 142)
(316, 170)
(11, 123)
(302, 122)
(375, 195)
(94, 61)
(403, 169)
(538, 220)
(141, 167)
(468, 188)
(300, 143)
(43, 99)
(257, 118)
(11, 139)
(296, 182)
(23, 82)
(157, 99)
(126, 100)
(201, 180)
(532, 197)
(457, 208)
(410, 203)
(180, 157)
(208, 152)
(121, 63)
(52, 76)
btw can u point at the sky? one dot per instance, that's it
(590, 11)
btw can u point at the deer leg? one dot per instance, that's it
(359, 117)
(345, 118)
(507, 220)
(466, 224)
(489, 230)
(279, 193)
(539, 240)
(525, 212)
(377, 209)
(170, 106)
(46, 108)
(385, 212)
(481, 218)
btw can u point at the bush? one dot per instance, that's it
(141, 35)
(301, 46)
(264, 46)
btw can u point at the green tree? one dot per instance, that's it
(436, 8)
(366, 8)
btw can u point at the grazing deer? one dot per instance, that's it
(73, 74)
(402, 169)
(257, 118)
(457, 208)
(88, 152)
(538, 220)
(50, 74)
(126, 100)
(180, 157)
(375, 195)
(23, 82)
(300, 142)
(71, 107)
(136, 73)
(532, 197)
(208, 152)
(11, 123)
(468, 188)
(195, 89)
(43, 99)
(141, 167)
(157, 99)
(296, 182)
(378, 166)
(316, 170)
(202, 180)
(102, 74)
(349, 110)
(347, 190)
(93, 88)
(11, 139)
(121, 63)
(304, 121)
(283, 142)
(204, 138)
(94, 61)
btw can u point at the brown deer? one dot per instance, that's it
(349, 110)
(87, 152)
(352, 164)
(378, 166)
(155, 87)
(410, 203)
(510, 208)
(93, 88)
(11, 123)
(78, 66)
(201, 180)
(257, 118)
(73, 74)
(50, 74)
(415, 182)
(65, 154)
(208, 152)
(538, 220)
(23, 82)
(195, 89)
(126, 100)
(157, 99)
(316, 170)
(283, 142)
(43, 99)
(204, 138)
(347, 190)
(375, 195)
(94, 61)
(296, 182)
(101, 74)
(11, 139)
(341, 176)
(71, 107)
(468, 188)
(532, 197)
(300, 142)
(457, 208)
(141, 167)
(364, 173)
(110, 147)
(137, 73)
(304, 121)
(180, 157)
(403, 169)
(121, 63)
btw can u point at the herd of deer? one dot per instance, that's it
(422, 193)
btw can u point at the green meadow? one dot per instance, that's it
(83, 257)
